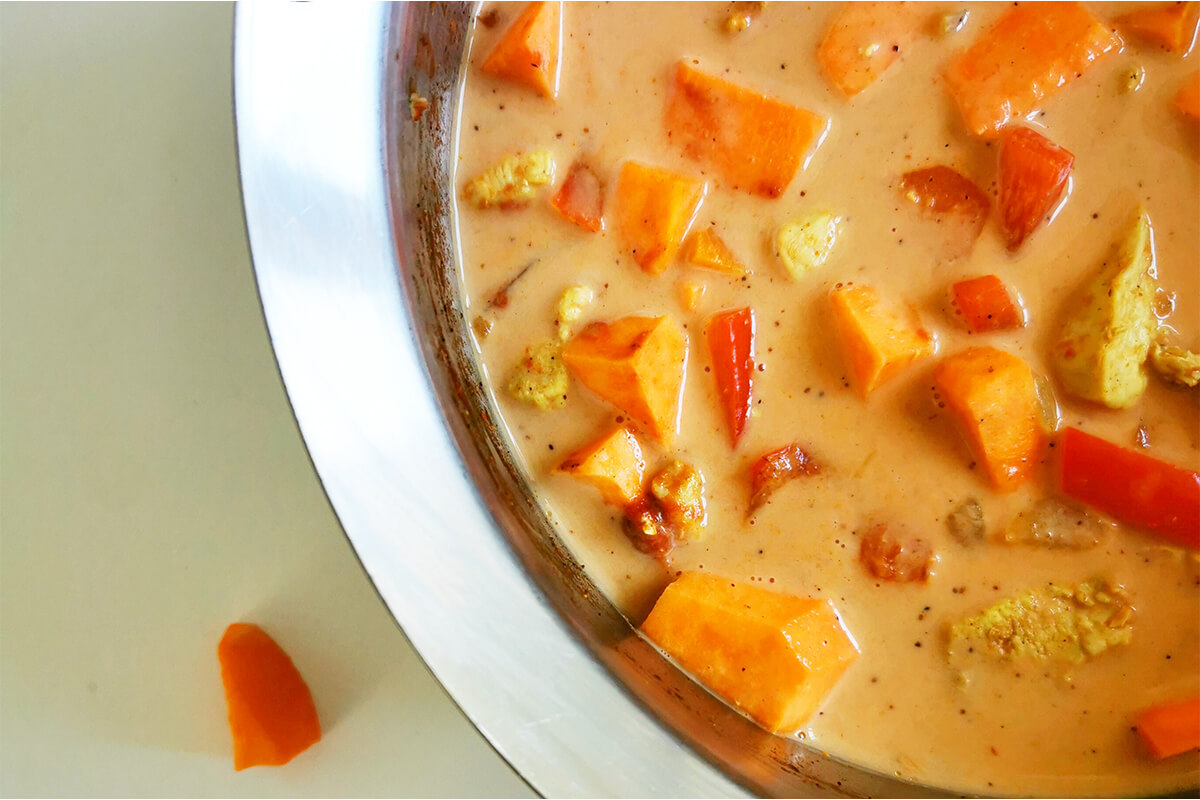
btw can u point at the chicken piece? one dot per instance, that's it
(1175, 364)
(540, 377)
(679, 490)
(805, 245)
(571, 306)
(1052, 623)
(1052, 523)
(513, 181)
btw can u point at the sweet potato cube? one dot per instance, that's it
(637, 364)
(1188, 98)
(528, 53)
(1171, 26)
(863, 41)
(705, 248)
(1030, 53)
(655, 208)
(876, 341)
(755, 143)
(774, 656)
(613, 464)
(993, 398)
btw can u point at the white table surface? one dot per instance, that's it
(153, 484)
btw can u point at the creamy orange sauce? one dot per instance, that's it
(902, 708)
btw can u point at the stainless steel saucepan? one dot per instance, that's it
(349, 207)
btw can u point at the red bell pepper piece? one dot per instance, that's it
(1131, 486)
(953, 200)
(1033, 176)
(986, 305)
(731, 347)
(581, 198)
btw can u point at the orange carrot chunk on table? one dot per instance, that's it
(528, 53)
(993, 398)
(953, 200)
(613, 464)
(774, 656)
(1188, 98)
(580, 199)
(864, 40)
(731, 346)
(1171, 26)
(655, 208)
(1172, 728)
(271, 712)
(638, 365)
(877, 343)
(706, 249)
(986, 305)
(1033, 175)
(1030, 53)
(755, 143)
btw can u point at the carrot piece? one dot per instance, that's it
(986, 305)
(1030, 53)
(1131, 486)
(731, 346)
(705, 248)
(690, 295)
(1172, 728)
(580, 199)
(878, 344)
(864, 40)
(754, 142)
(528, 53)
(774, 656)
(776, 468)
(1033, 175)
(613, 464)
(637, 364)
(1188, 98)
(951, 199)
(271, 712)
(993, 398)
(655, 208)
(1171, 26)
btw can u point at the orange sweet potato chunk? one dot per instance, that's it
(1030, 53)
(877, 342)
(613, 464)
(705, 248)
(774, 656)
(638, 365)
(755, 143)
(864, 40)
(1188, 98)
(655, 208)
(993, 398)
(528, 53)
(1171, 26)
(271, 712)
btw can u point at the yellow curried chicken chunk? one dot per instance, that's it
(805, 245)
(514, 180)
(1175, 364)
(679, 490)
(540, 377)
(571, 305)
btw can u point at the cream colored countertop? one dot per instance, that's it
(153, 484)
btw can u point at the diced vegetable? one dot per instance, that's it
(540, 377)
(1171, 26)
(690, 294)
(877, 343)
(655, 208)
(514, 181)
(637, 364)
(1100, 353)
(776, 468)
(646, 527)
(755, 143)
(1053, 623)
(1188, 98)
(705, 248)
(892, 557)
(1033, 175)
(580, 199)
(1172, 728)
(271, 711)
(986, 305)
(864, 41)
(613, 464)
(1029, 54)
(679, 490)
(992, 396)
(966, 523)
(730, 337)
(1054, 524)
(805, 245)
(571, 307)
(774, 656)
(1131, 486)
(528, 53)
(1175, 364)
(953, 201)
